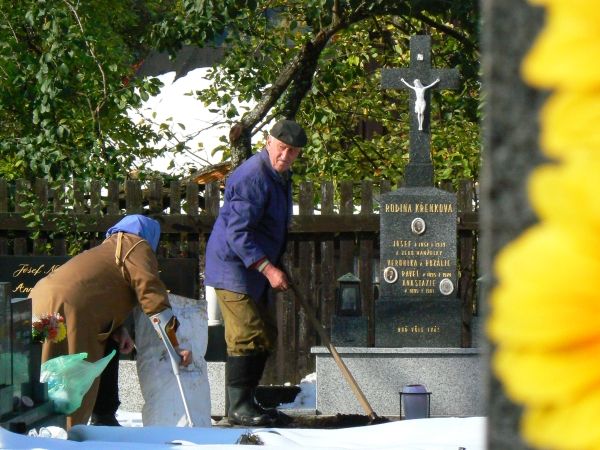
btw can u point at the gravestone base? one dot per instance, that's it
(130, 393)
(454, 376)
(349, 331)
(41, 415)
(418, 322)
(218, 394)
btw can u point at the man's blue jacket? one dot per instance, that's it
(252, 224)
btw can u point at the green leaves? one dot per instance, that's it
(68, 86)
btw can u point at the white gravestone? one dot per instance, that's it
(163, 404)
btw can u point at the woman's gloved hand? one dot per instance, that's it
(123, 338)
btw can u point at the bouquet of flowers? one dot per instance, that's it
(48, 327)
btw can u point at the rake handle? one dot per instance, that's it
(310, 312)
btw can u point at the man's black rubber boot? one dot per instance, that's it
(242, 410)
(243, 374)
(105, 420)
(271, 412)
(278, 417)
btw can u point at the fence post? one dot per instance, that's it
(306, 283)
(20, 242)
(328, 278)
(365, 262)
(3, 209)
(347, 240)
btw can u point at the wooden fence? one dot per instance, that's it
(340, 236)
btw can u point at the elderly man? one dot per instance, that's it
(242, 257)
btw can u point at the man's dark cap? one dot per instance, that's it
(289, 132)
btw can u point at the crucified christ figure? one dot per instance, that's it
(420, 98)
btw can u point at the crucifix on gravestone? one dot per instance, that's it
(420, 78)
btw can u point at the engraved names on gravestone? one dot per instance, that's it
(418, 305)
(418, 243)
(180, 275)
(24, 271)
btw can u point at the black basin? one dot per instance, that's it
(274, 395)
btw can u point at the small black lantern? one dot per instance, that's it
(348, 296)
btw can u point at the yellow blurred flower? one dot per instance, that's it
(545, 317)
(567, 426)
(569, 119)
(563, 55)
(546, 297)
(562, 193)
(572, 3)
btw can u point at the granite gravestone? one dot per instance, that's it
(6, 391)
(24, 271)
(26, 355)
(418, 304)
(24, 400)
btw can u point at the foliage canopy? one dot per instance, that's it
(68, 85)
(319, 61)
(67, 78)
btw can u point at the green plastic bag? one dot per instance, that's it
(69, 377)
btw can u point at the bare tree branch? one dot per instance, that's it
(93, 54)
(446, 30)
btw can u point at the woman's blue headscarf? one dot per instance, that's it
(142, 226)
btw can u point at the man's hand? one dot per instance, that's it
(186, 356)
(277, 278)
(126, 344)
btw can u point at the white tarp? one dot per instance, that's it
(417, 434)
(163, 405)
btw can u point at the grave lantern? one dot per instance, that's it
(348, 296)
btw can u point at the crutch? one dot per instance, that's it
(159, 323)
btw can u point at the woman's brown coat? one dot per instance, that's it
(95, 291)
